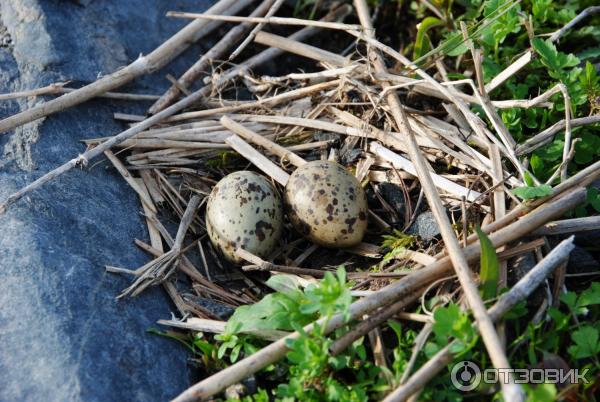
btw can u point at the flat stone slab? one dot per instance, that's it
(63, 336)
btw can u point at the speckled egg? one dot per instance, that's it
(244, 210)
(326, 204)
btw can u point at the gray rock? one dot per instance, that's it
(425, 226)
(521, 265)
(518, 267)
(580, 261)
(63, 335)
(394, 196)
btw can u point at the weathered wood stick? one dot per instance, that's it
(266, 20)
(545, 136)
(507, 301)
(59, 88)
(218, 327)
(582, 179)
(258, 159)
(374, 320)
(569, 226)
(402, 163)
(290, 45)
(261, 141)
(143, 65)
(264, 102)
(274, 8)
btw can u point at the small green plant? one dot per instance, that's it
(311, 372)
(396, 243)
(531, 191)
(489, 268)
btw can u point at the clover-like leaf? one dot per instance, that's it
(531, 192)
(586, 343)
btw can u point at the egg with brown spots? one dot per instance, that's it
(244, 210)
(326, 204)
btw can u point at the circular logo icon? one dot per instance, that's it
(465, 375)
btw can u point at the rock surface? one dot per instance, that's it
(63, 335)
(394, 196)
(425, 226)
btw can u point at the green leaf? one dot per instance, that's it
(454, 45)
(590, 296)
(421, 40)
(585, 342)
(528, 192)
(287, 284)
(561, 319)
(553, 59)
(444, 319)
(552, 152)
(547, 52)
(489, 268)
(451, 322)
(528, 179)
(586, 148)
(540, 392)
(540, 9)
(537, 165)
(235, 353)
(589, 80)
(591, 53)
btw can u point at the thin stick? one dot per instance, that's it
(83, 159)
(419, 343)
(373, 321)
(546, 135)
(292, 46)
(567, 145)
(499, 202)
(166, 52)
(158, 270)
(144, 196)
(265, 102)
(276, 5)
(156, 243)
(584, 14)
(59, 88)
(218, 327)
(583, 178)
(267, 20)
(507, 301)
(258, 159)
(569, 226)
(261, 265)
(261, 141)
(402, 163)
